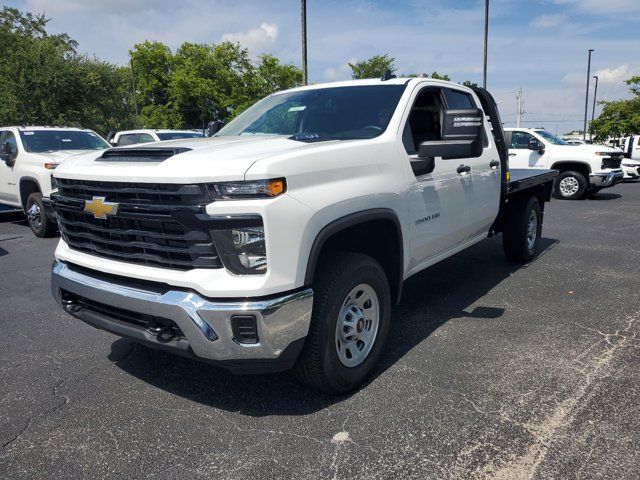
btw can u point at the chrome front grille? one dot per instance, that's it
(145, 228)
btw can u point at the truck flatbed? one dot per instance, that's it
(523, 178)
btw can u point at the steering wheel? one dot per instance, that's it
(372, 127)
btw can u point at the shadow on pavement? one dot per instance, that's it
(604, 196)
(430, 299)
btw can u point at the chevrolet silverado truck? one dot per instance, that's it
(584, 169)
(28, 157)
(283, 241)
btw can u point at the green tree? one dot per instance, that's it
(43, 80)
(374, 67)
(620, 117)
(439, 76)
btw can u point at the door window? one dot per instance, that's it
(457, 99)
(423, 124)
(520, 140)
(145, 138)
(10, 140)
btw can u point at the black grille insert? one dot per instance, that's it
(612, 162)
(148, 154)
(244, 328)
(143, 230)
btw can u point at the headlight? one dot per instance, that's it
(604, 154)
(248, 189)
(242, 250)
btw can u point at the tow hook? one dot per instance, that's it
(162, 332)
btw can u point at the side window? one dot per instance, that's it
(457, 99)
(128, 139)
(145, 138)
(423, 124)
(520, 140)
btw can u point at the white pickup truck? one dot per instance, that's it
(584, 169)
(133, 137)
(283, 241)
(28, 157)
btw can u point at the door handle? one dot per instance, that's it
(512, 154)
(462, 169)
(494, 164)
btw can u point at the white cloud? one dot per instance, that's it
(549, 21)
(256, 38)
(614, 75)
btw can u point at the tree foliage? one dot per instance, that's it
(619, 117)
(43, 80)
(202, 82)
(374, 67)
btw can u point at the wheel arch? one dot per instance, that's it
(576, 165)
(356, 232)
(28, 185)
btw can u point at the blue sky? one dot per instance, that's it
(539, 45)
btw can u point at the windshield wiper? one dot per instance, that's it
(311, 137)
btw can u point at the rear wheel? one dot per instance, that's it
(40, 225)
(522, 230)
(570, 185)
(349, 325)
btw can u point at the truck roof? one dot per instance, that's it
(372, 81)
(156, 130)
(25, 128)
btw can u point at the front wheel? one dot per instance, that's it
(349, 324)
(40, 225)
(522, 230)
(571, 185)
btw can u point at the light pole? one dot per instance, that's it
(586, 98)
(486, 41)
(595, 93)
(303, 5)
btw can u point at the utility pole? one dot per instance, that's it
(303, 5)
(133, 87)
(519, 107)
(486, 41)
(586, 98)
(595, 93)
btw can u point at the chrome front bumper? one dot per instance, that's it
(604, 180)
(205, 324)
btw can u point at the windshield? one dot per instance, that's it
(551, 138)
(178, 135)
(340, 113)
(39, 141)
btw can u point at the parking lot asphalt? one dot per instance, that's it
(491, 371)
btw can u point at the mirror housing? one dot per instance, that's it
(422, 165)
(461, 135)
(536, 145)
(213, 127)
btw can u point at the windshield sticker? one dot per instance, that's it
(297, 109)
(28, 133)
(66, 139)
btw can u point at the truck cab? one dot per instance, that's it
(133, 137)
(283, 241)
(584, 169)
(28, 158)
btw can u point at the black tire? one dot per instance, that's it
(515, 234)
(319, 365)
(40, 225)
(582, 185)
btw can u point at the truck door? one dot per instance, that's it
(482, 185)
(9, 188)
(519, 154)
(437, 201)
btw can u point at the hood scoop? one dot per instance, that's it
(142, 154)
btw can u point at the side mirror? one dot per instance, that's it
(6, 154)
(536, 145)
(461, 136)
(213, 127)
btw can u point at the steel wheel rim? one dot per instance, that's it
(34, 216)
(569, 186)
(532, 230)
(357, 325)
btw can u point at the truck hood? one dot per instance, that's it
(208, 160)
(587, 149)
(60, 155)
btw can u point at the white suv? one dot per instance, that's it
(584, 169)
(28, 156)
(133, 137)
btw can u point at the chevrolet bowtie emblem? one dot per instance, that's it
(100, 208)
